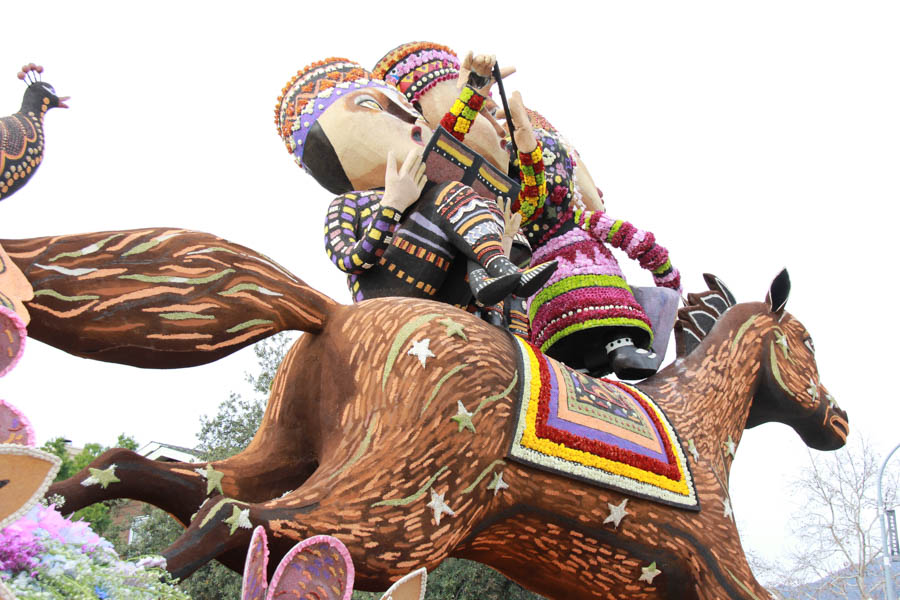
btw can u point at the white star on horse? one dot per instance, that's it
(421, 351)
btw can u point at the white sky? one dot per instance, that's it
(746, 137)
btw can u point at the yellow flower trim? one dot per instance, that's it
(531, 441)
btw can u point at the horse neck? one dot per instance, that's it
(715, 384)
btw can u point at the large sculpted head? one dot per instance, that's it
(339, 123)
(426, 74)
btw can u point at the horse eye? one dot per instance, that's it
(368, 102)
(809, 344)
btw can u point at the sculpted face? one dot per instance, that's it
(364, 125)
(486, 137)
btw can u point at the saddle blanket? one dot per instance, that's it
(603, 432)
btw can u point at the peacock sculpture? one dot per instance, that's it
(22, 134)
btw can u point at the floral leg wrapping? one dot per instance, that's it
(586, 301)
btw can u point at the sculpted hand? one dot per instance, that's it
(523, 134)
(511, 223)
(402, 188)
(482, 65)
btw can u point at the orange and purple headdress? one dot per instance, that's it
(415, 67)
(309, 94)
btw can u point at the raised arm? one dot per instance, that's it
(358, 229)
(637, 244)
(476, 75)
(530, 162)
(360, 225)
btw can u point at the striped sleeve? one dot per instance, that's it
(357, 230)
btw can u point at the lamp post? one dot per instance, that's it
(886, 559)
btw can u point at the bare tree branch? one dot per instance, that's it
(840, 547)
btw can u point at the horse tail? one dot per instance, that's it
(160, 297)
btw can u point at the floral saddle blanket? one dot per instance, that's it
(603, 432)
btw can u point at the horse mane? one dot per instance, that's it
(699, 315)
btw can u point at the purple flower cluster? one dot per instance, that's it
(18, 551)
(21, 547)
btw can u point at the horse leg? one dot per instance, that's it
(729, 577)
(177, 487)
(280, 458)
(384, 514)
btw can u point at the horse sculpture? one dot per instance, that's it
(389, 427)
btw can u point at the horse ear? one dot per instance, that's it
(254, 584)
(778, 292)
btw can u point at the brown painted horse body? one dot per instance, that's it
(358, 436)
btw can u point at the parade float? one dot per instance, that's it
(459, 406)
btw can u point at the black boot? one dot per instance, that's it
(628, 361)
(530, 280)
(490, 290)
(534, 278)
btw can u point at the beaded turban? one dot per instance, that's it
(415, 67)
(309, 94)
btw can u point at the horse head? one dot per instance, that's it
(788, 389)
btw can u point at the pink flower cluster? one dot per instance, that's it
(22, 540)
(423, 57)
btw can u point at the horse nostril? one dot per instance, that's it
(840, 426)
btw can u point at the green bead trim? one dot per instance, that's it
(614, 230)
(776, 372)
(440, 383)
(63, 297)
(742, 330)
(663, 268)
(572, 283)
(96, 246)
(483, 474)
